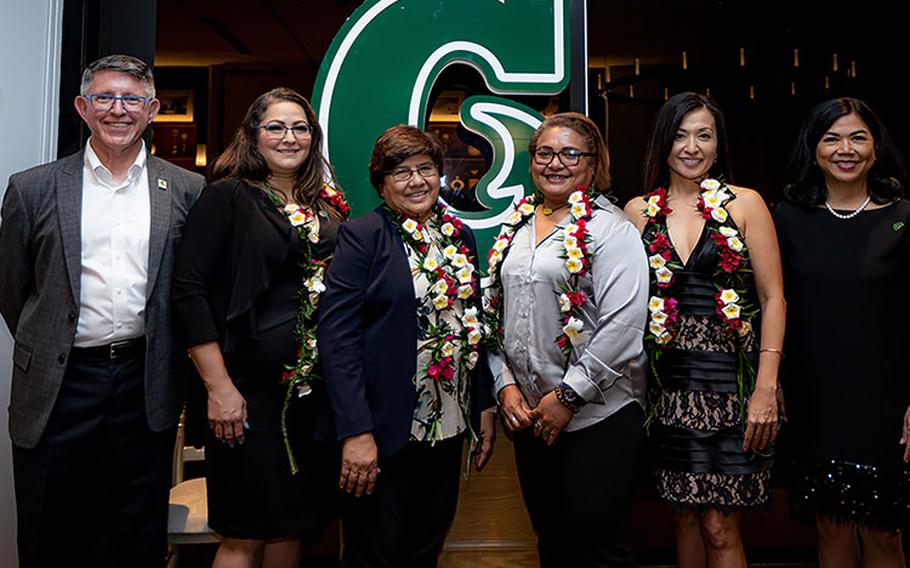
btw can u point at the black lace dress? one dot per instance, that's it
(697, 426)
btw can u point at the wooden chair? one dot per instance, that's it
(187, 520)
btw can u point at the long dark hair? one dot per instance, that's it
(242, 160)
(886, 178)
(669, 117)
(585, 127)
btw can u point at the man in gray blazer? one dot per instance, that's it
(86, 249)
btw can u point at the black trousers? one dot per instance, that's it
(94, 491)
(403, 524)
(579, 491)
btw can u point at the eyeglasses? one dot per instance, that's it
(567, 156)
(277, 130)
(405, 174)
(105, 102)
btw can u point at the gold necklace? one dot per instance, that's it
(548, 211)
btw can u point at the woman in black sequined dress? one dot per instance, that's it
(843, 232)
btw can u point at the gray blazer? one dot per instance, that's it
(40, 269)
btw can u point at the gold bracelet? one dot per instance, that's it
(772, 350)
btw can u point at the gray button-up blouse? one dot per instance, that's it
(608, 368)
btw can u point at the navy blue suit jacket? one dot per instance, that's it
(368, 337)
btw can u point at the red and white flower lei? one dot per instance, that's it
(734, 311)
(451, 280)
(300, 376)
(575, 240)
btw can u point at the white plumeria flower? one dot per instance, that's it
(719, 214)
(474, 336)
(711, 199)
(728, 296)
(656, 261)
(297, 218)
(418, 235)
(570, 228)
(579, 210)
(465, 291)
(440, 287)
(501, 244)
(664, 338)
(710, 184)
(573, 327)
(655, 304)
(654, 200)
(441, 302)
(663, 275)
(735, 244)
(506, 231)
(314, 285)
(459, 261)
(652, 210)
(469, 317)
(659, 318)
(723, 196)
(495, 257)
(576, 197)
(311, 342)
(449, 251)
(655, 328)
(565, 304)
(409, 225)
(728, 232)
(447, 229)
(464, 275)
(526, 208)
(575, 253)
(313, 234)
(514, 218)
(430, 264)
(569, 242)
(448, 349)
(290, 208)
(574, 266)
(731, 311)
(472, 360)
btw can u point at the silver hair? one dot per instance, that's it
(123, 64)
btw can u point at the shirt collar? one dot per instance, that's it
(104, 175)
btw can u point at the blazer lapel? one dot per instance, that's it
(160, 202)
(69, 212)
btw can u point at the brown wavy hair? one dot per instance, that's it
(589, 131)
(242, 160)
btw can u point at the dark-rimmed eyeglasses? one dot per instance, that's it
(105, 102)
(567, 156)
(404, 174)
(277, 131)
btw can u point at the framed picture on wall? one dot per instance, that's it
(176, 106)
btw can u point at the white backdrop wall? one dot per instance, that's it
(30, 37)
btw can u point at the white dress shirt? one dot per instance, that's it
(608, 368)
(116, 219)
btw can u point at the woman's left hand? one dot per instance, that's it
(550, 417)
(761, 418)
(483, 450)
(905, 437)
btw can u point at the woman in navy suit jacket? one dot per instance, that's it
(400, 337)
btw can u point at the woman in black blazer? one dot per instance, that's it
(245, 287)
(400, 335)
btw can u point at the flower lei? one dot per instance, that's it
(300, 376)
(732, 307)
(451, 280)
(575, 240)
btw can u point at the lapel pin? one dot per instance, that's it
(897, 226)
(162, 183)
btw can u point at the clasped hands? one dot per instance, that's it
(547, 419)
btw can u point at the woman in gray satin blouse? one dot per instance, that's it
(568, 304)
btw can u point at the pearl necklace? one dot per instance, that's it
(853, 213)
